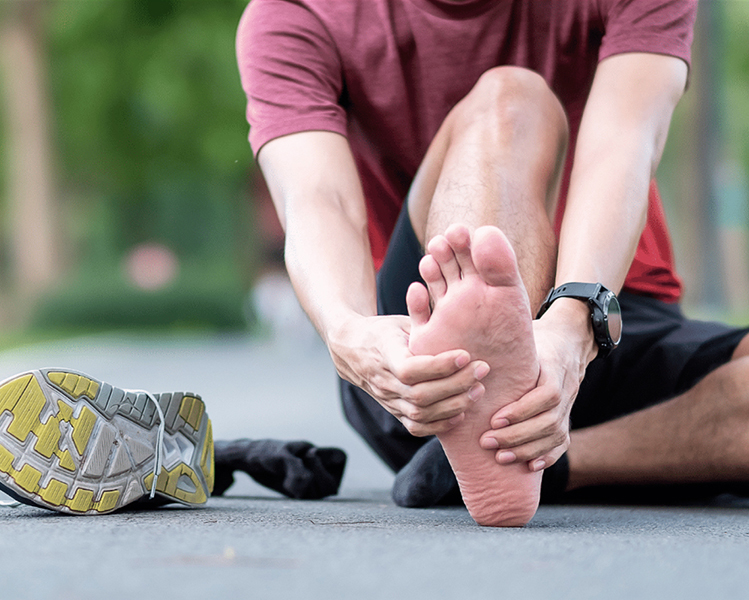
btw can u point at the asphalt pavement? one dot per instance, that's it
(358, 545)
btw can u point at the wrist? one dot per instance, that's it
(570, 317)
(340, 330)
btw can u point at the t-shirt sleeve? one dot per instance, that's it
(290, 71)
(657, 26)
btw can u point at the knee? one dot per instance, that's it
(513, 99)
(733, 381)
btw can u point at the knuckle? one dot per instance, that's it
(552, 429)
(553, 399)
(378, 385)
(417, 397)
(524, 454)
(414, 413)
(399, 371)
(405, 374)
(415, 429)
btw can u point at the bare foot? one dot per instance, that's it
(480, 305)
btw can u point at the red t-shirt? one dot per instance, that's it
(385, 73)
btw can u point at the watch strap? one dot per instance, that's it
(581, 291)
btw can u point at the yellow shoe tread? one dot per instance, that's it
(24, 398)
(27, 411)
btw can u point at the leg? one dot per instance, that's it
(699, 436)
(510, 172)
(675, 409)
(497, 160)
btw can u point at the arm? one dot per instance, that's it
(621, 139)
(314, 183)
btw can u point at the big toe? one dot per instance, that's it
(494, 257)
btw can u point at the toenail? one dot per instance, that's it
(476, 392)
(481, 371)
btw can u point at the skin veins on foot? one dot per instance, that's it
(480, 305)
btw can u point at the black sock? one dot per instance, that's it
(554, 482)
(296, 469)
(427, 480)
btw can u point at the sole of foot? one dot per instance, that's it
(73, 444)
(480, 305)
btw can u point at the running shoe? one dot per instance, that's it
(73, 444)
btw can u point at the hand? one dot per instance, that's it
(535, 428)
(427, 394)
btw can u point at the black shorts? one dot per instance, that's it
(662, 354)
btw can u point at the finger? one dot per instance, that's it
(529, 448)
(447, 390)
(551, 447)
(418, 369)
(434, 428)
(547, 460)
(417, 410)
(542, 426)
(534, 403)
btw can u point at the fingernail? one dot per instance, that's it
(462, 360)
(489, 444)
(506, 457)
(481, 371)
(476, 392)
(499, 423)
(539, 465)
(457, 419)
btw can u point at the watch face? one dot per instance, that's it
(614, 314)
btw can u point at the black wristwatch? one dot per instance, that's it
(605, 313)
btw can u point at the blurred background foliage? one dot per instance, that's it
(148, 149)
(149, 146)
(703, 173)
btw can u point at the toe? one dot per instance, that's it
(459, 238)
(417, 301)
(494, 257)
(443, 253)
(432, 275)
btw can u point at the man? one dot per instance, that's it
(390, 126)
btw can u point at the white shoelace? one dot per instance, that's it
(159, 451)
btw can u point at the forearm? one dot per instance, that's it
(328, 259)
(605, 214)
(324, 217)
(619, 145)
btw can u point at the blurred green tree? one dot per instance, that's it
(151, 147)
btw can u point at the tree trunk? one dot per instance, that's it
(31, 194)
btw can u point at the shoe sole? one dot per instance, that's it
(77, 445)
